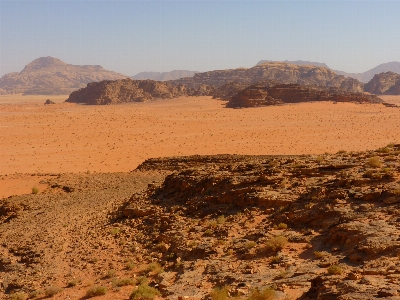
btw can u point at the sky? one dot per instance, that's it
(135, 36)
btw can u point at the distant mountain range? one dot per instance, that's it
(164, 76)
(393, 66)
(50, 76)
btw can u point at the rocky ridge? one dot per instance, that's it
(271, 93)
(300, 227)
(51, 76)
(384, 83)
(164, 76)
(280, 72)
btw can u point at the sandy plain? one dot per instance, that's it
(39, 139)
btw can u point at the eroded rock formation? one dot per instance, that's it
(125, 90)
(270, 93)
(384, 83)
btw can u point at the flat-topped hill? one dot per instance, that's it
(51, 76)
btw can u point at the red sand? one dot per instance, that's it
(37, 138)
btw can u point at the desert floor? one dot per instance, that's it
(64, 137)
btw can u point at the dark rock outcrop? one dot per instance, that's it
(384, 83)
(270, 93)
(51, 76)
(125, 90)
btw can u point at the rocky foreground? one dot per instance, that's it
(205, 227)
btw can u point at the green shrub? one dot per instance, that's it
(52, 290)
(35, 190)
(219, 293)
(263, 294)
(335, 270)
(155, 268)
(144, 292)
(96, 291)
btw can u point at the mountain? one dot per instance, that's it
(384, 83)
(393, 66)
(49, 75)
(364, 77)
(296, 62)
(164, 76)
(278, 71)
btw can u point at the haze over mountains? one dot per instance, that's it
(48, 75)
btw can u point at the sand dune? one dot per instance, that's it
(63, 137)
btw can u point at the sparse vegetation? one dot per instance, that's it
(96, 291)
(122, 282)
(219, 293)
(263, 294)
(155, 268)
(335, 270)
(250, 244)
(320, 254)
(221, 220)
(144, 292)
(52, 291)
(115, 231)
(282, 226)
(110, 273)
(374, 162)
(35, 190)
(276, 243)
(17, 296)
(73, 282)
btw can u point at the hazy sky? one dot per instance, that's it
(134, 36)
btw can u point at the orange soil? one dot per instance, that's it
(63, 137)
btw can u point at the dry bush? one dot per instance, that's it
(276, 243)
(219, 293)
(335, 270)
(144, 292)
(123, 282)
(96, 291)
(263, 294)
(52, 290)
(282, 226)
(374, 162)
(17, 296)
(35, 190)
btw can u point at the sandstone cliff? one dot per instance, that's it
(164, 76)
(125, 90)
(270, 93)
(281, 72)
(384, 83)
(50, 76)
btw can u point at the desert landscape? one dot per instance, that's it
(199, 150)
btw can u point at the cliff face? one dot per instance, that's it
(51, 76)
(164, 76)
(384, 83)
(125, 90)
(281, 72)
(270, 93)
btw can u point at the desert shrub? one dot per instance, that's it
(276, 243)
(144, 292)
(142, 280)
(221, 220)
(250, 244)
(282, 226)
(96, 291)
(36, 293)
(374, 162)
(35, 190)
(72, 283)
(130, 265)
(17, 296)
(208, 232)
(155, 268)
(319, 159)
(320, 254)
(110, 273)
(52, 291)
(219, 293)
(283, 183)
(263, 294)
(335, 270)
(115, 231)
(123, 281)
(276, 259)
(212, 223)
